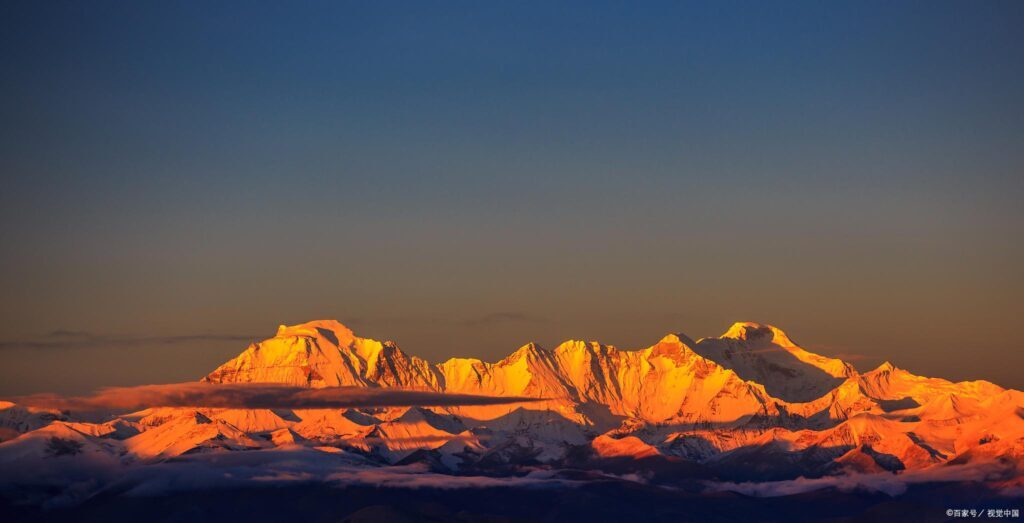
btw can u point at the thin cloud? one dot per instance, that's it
(69, 340)
(416, 476)
(64, 333)
(839, 352)
(202, 472)
(888, 483)
(254, 396)
(496, 318)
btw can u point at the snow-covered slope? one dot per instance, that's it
(891, 383)
(16, 419)
(189, 432)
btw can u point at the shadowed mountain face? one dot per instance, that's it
(765, 355)
(747, 412)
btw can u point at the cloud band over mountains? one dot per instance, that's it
(255, 396)
(66, 339)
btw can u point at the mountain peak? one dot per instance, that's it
(885, 367)
(332, 330)
(751, 331)
(676, 338)
(525, 350)
(575, 344)
(578, 346)
(324, 353)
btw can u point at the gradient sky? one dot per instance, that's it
(181, 177)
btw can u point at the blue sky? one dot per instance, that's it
(467, 177)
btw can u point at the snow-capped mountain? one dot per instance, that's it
(750, 392)
(749, 405)
(751, 388)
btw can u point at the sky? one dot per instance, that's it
(179, 178)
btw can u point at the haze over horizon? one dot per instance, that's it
(180, 179)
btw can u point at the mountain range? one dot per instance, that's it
(748, 406)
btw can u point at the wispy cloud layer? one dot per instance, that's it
(496, 318)
(253, 396)
(67, 339)
(242, 469)
(888, 483)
